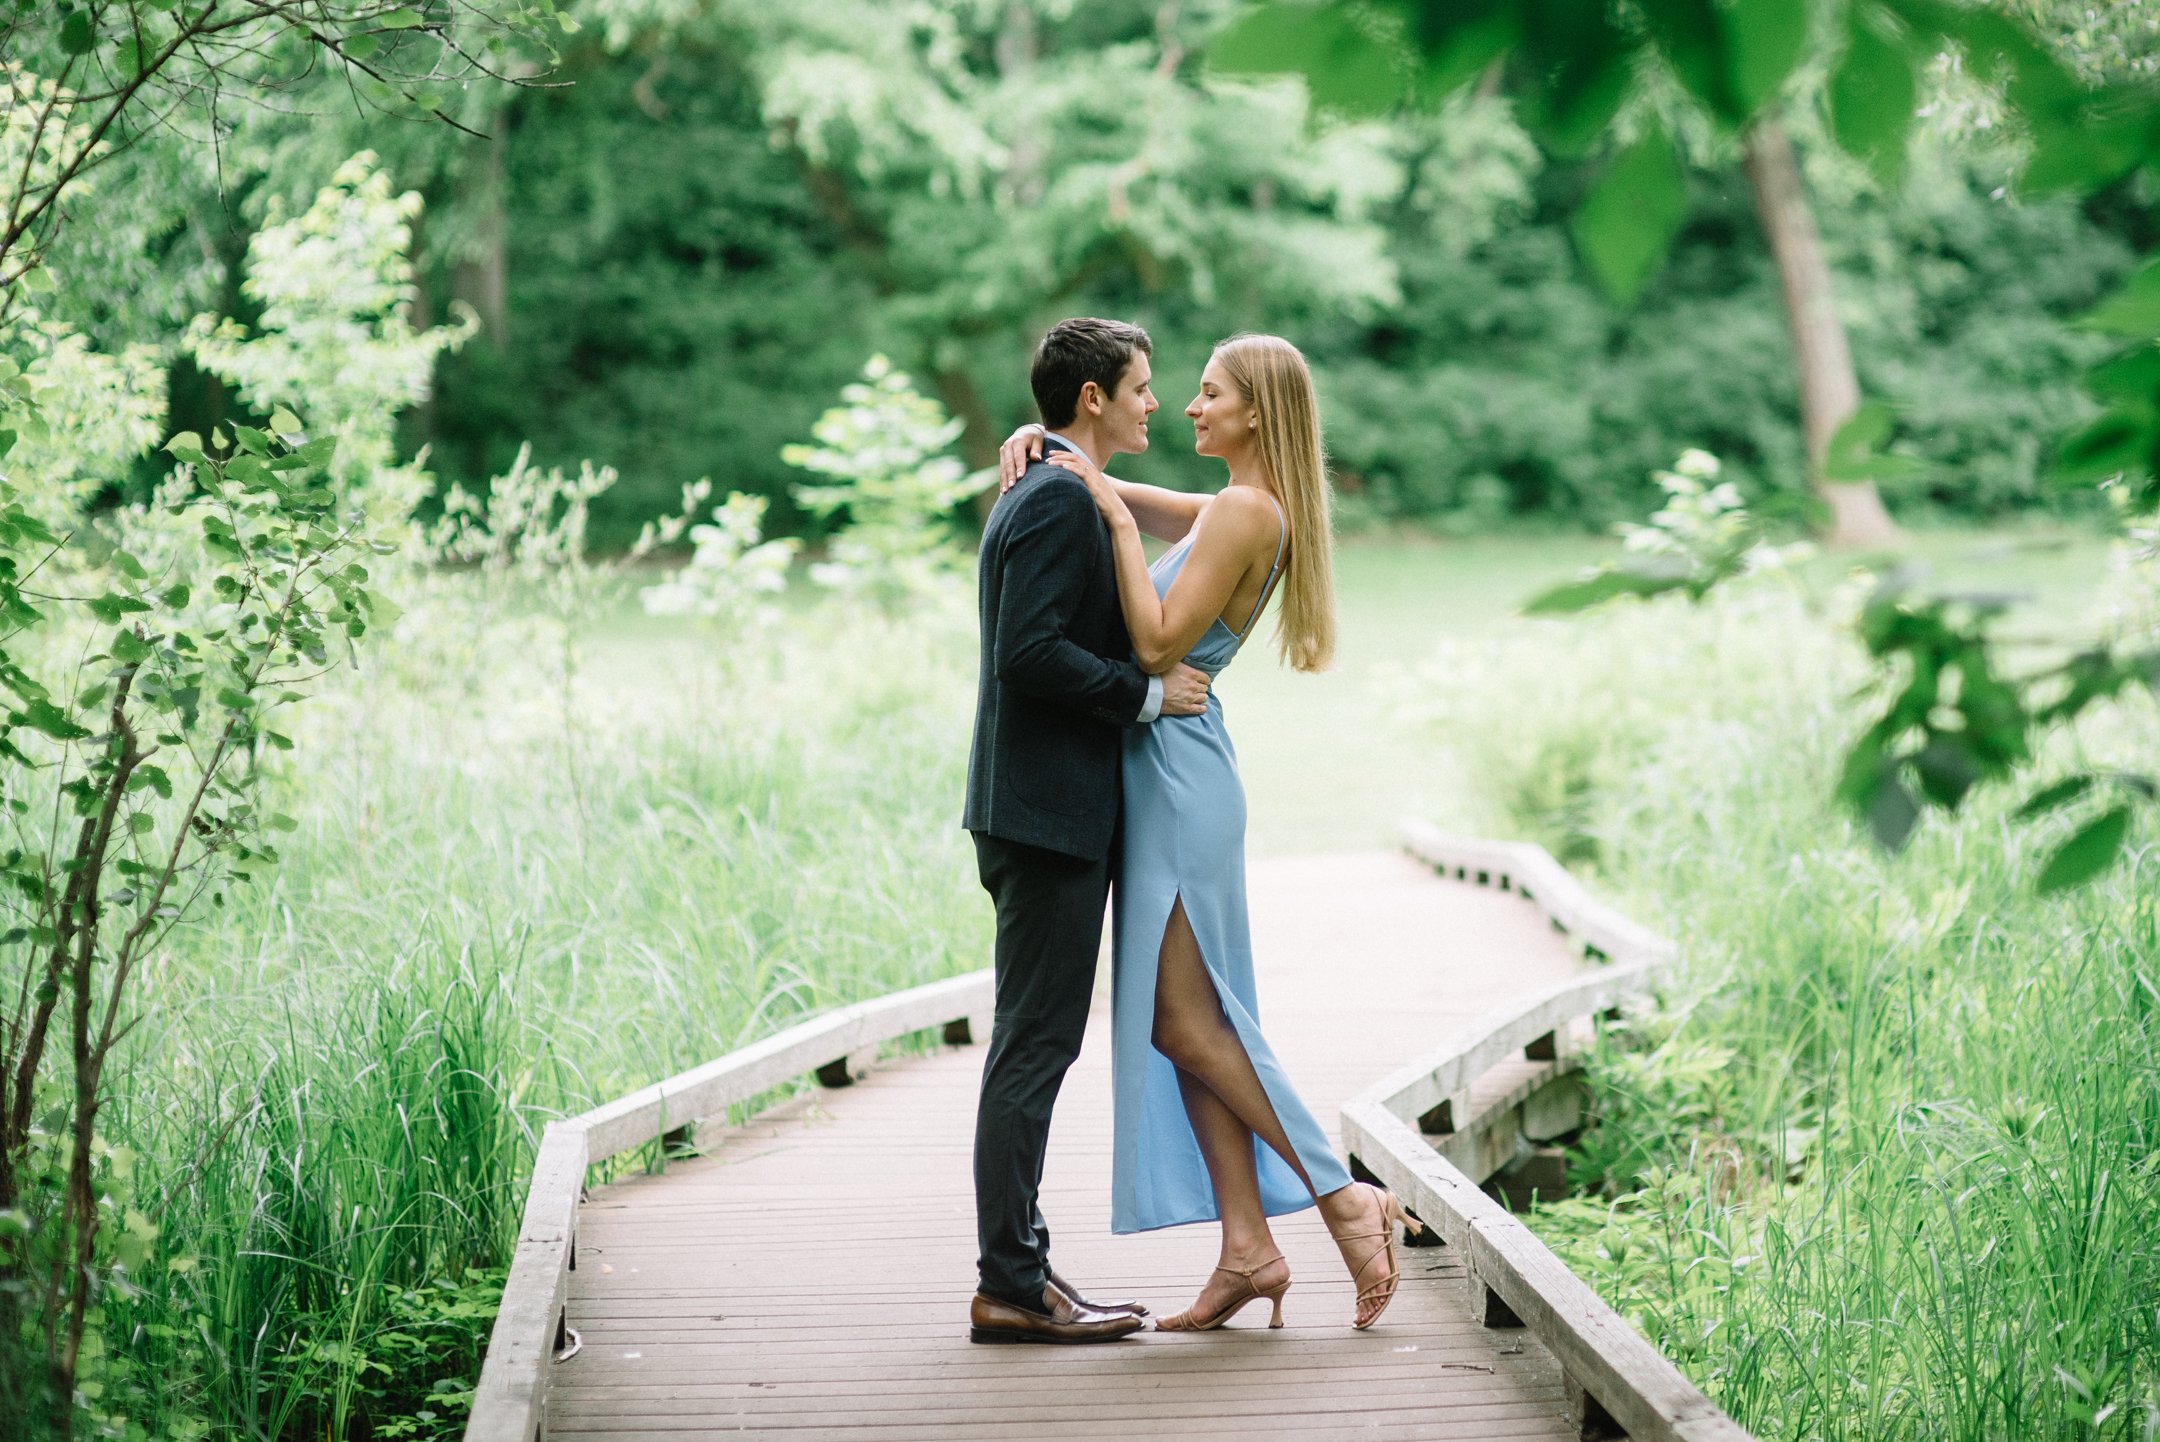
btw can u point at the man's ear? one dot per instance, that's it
(1091, 398)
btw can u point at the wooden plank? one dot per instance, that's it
(1213, 1390)
(1407, 1423)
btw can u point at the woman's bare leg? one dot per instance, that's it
(1192, 1031)
(1228, 1106)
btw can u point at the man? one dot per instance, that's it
(1058, 686)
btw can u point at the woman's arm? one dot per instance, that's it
(1233, 537)
(1164, 514)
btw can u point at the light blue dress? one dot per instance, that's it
(1184, 835)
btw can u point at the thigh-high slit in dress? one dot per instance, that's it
(1184, 839)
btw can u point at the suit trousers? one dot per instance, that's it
(1049, 931)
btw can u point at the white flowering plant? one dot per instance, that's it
(733, 574)
(884, 454)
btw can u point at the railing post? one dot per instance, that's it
(1491, 1311)
(846, 1071)
(1588, 1416)
(1447, 1117)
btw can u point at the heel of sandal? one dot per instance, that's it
(1401, 1217)
(1276, 1297)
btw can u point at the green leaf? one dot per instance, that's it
(285, 423)
(77, 35)
(1873, 95)
(1605, 585)
(141, 821)
(174, 597)
(2084, 152)
(1853, 453)
(2133, 311)
(1575, 66)
(2134, 375)
(1344, 65)
(1628, 222)
(1690, 36)
(128, 648)
(1892, 813)
(186, 446)
(2088, 852)
(401, 20)
(1459, 42)
(2117, 442)
(1947, 771)
(382, 611)
(1580, 98)
(112, 606)
(1766, 38)
(2057, 794)
(254, 442)
(360, 46)
(50, 719)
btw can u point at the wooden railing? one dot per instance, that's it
(531, 1329)
(1437, 1128)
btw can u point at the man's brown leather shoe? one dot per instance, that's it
(1137, 1309)
(1061, 1320)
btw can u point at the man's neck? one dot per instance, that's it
(1087, 440)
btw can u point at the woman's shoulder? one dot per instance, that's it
(1243, 515)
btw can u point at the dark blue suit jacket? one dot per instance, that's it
(1058, 679)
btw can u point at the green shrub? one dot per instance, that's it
(1884, 1162)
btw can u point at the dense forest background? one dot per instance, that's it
(678, 244)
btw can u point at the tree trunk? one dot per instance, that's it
(482, 279)
(979, 442)
(1829, 391)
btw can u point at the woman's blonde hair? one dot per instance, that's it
(1272, 376)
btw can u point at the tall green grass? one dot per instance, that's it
(517, 889)
(1885, 1163)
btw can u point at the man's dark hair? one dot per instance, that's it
(1078, 351)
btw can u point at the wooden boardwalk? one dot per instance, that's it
(810, 1276)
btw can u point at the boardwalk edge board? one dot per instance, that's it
(1617, 1381)
(510, 1400)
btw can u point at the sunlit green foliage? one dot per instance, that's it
(1880, 1166)
(884, 458)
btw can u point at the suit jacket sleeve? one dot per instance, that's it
(1050, 554)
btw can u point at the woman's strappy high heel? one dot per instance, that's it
(1382, 1290)
(1185, 1321)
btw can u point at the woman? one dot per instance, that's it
(1208, 1127)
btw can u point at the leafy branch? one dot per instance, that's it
(82, 82)
(1955, 720)
(146, 729)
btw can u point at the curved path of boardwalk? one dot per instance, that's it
(809, 1277)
